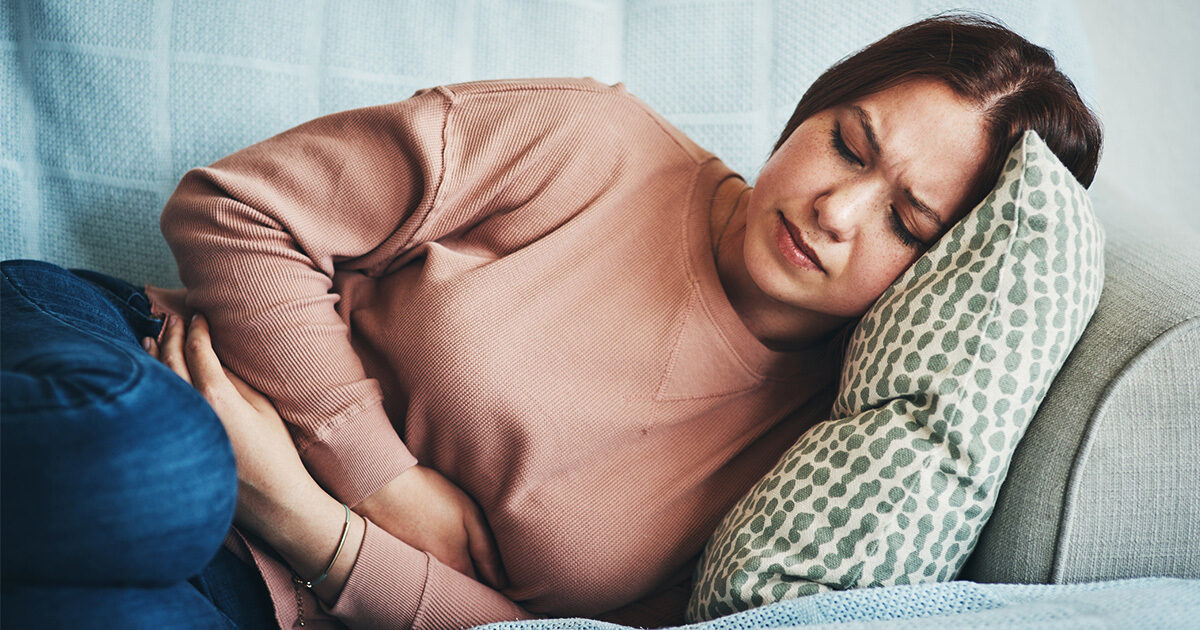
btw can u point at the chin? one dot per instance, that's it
(770, 273)
(853, 311)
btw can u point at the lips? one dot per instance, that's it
(799, 240)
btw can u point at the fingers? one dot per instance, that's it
(483, 549)
(151, 346)
(171, 352)
(208, 375)
(190, 355)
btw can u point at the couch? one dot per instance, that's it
(105, 104)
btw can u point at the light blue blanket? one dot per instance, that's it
(1138, 603)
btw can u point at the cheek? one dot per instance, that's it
(870, 274)
(800, 168)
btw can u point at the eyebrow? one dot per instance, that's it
(865, 120)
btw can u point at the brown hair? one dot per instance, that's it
(1014, 82)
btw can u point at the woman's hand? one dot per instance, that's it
(420, 507)
(277, 499)
(270, 472)
(426, 510)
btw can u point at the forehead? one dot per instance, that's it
(932, 140)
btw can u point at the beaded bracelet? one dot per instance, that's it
(298, 581)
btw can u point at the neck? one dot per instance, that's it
(779, 326)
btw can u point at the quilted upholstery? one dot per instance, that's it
(104, 104)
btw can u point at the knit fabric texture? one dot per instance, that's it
(512, 283)
(1135, 603)
(105, 104)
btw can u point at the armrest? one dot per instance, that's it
(1105, 484)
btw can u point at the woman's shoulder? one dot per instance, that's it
(537, 84)
(590, 106)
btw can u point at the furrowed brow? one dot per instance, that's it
(924, 209)
(865, 120)
(873, 140)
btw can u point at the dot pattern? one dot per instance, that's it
(941, 378)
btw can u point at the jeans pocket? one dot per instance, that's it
(131, 300)
(87, 300)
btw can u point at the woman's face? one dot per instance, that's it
(849, 180)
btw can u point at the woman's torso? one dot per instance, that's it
(589, 389)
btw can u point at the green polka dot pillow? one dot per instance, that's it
(941, 377)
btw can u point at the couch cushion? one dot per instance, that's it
(941, 377)
(104, 104)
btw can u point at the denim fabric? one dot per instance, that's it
(118, 481)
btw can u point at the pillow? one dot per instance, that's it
(941, 377)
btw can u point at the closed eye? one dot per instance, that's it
(902, 232)
(839, 143)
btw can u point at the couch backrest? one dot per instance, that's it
(106, 103)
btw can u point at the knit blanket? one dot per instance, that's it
(1134, 603)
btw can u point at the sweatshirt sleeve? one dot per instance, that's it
(259, 235)
(393, 585)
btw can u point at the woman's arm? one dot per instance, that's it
(282, 504)
(305, 529)
(259, 236)
(277, 499)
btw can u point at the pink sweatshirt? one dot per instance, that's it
(513, 283)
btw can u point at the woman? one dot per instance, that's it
(592, 335)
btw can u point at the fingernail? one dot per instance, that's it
(194, 316)
(146, 343)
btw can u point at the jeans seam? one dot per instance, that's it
(124, 303)
(118, 391)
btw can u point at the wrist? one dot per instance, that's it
(300, 528)
(339, 569)
(264, 510)
(307, 534)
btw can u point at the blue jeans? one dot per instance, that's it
(118, 481)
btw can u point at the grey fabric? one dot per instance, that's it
(1133, 506)
(1105, 483)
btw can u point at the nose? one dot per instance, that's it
(843, 208)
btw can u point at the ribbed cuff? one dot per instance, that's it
(385, 584)
(453, 600)
(359, 456)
